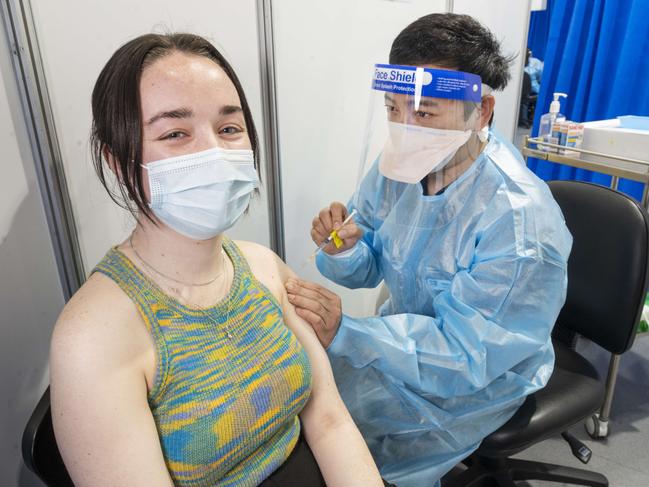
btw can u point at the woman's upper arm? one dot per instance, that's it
(102, 421)
(337, 445)
(273, 273)
(325, 407)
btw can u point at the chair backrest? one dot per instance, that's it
(526, 89)
(40, 452)
(608, 265)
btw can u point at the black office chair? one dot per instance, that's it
(527, 103)
(40, 452)
(607, 284)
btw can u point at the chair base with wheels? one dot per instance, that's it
(504, 472)
(573, 391)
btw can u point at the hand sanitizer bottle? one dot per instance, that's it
(549, 119)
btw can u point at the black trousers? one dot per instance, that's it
(299, 470)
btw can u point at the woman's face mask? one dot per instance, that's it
(203, 194)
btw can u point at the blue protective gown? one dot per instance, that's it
(535, 69)
(477, 276)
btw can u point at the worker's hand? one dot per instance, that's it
(317, 306)
(330, 219)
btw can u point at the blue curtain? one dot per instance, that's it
(537, 39)
(598, 53)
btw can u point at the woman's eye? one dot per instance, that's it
(174, 135)
(390, 108)
(420, 114)
(230, 130)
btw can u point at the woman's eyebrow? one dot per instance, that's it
(188, 113)
(230, 109)
(177, 113)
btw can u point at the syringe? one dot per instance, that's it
(333, 236)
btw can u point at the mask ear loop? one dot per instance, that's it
(483, 133)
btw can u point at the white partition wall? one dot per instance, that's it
(77, 38)
(31, 296)
(324, 52)
(509, 21)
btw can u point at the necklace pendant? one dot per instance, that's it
(229, 335)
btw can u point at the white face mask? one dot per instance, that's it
(203, 194)
(412, 152)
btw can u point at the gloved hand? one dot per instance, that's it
(316, 305)
(330, 219)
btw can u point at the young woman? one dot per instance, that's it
(180, 360)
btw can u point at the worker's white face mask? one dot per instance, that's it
(203, 194)
(412, 152)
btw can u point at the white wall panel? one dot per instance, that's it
(30, 291)
(324, 57)
(509, 21)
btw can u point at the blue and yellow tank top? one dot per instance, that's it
(225, 408)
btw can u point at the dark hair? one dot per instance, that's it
(116, 117)
(453, 41)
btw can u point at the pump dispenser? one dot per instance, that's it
(549, 119)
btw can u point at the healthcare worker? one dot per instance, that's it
(534, 67)
(470, 244)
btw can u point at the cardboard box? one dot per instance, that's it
(609, 137)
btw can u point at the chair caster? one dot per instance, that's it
(579, 450)
(596, 427)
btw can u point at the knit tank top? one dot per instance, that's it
(225, 408)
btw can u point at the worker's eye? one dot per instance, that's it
(422, 114)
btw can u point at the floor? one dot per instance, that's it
(519, 136)
(624, 455)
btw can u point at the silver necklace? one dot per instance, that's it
(150, 267)
(226, 325)
(203, 311)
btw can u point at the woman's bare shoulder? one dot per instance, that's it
(99, 320)
(265, 265)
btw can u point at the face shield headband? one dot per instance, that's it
(421, 82)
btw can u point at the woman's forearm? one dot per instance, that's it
(339, 448)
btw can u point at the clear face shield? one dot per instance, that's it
(424, 125)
